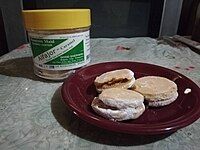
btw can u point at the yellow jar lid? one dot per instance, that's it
(50, 19)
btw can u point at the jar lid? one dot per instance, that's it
(50, 19)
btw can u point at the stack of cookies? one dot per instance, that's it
(122, 97)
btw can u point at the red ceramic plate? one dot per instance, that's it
(78, 92)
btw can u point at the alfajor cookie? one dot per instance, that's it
(119, 104)
(157, 91)
(122, 78)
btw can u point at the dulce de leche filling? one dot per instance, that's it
(112, 82)
(100, 104)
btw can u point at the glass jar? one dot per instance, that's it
(59, 40)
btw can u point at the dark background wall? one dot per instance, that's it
(188, 17)
(3, 41)
(110, 18)
(12, 23)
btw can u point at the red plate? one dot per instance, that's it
(78, 92)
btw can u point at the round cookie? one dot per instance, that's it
(157, 91)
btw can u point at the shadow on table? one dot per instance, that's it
(92, 133)
(20, 67)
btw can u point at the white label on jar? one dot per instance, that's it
(60, 51)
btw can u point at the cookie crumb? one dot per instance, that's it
(187, 91)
